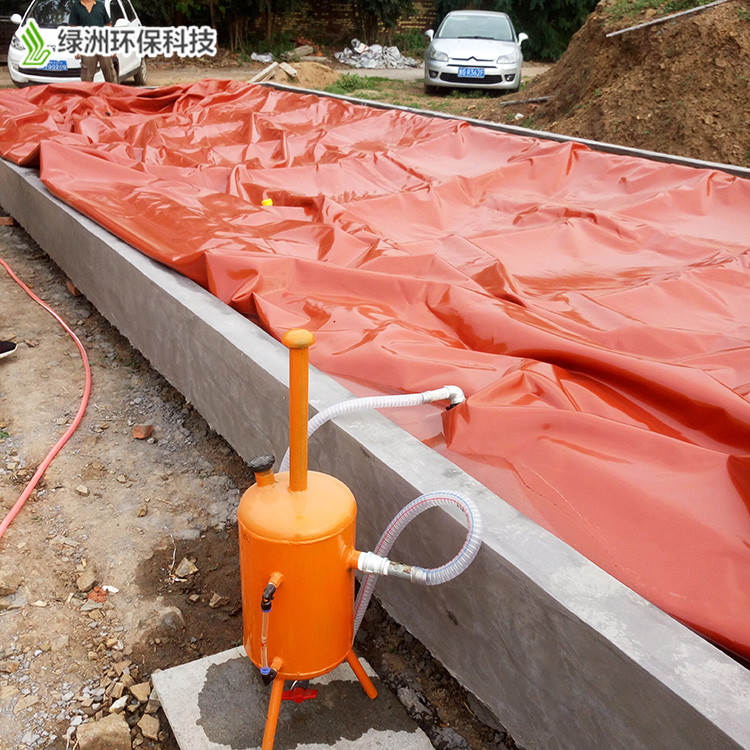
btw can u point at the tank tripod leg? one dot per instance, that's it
(359, 671)
(272, 718)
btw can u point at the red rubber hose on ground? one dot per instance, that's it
(79, 415)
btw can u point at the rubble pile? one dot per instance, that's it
(359, 55)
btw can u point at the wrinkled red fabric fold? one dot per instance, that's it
(593, 307)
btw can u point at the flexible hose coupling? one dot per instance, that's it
(369, 562)
(450, 393)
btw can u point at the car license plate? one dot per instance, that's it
(471, 72)
(56, 65)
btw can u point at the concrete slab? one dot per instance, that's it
(220, 702)
(563, 654)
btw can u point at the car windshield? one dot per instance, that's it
(49, 14)
(476, 27)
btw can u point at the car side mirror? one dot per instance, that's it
(522, 37)
(16, 19)
(429, 33)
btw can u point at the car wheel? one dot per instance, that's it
(140, 77)
(430, 90)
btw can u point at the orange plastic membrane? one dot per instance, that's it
(593, 307)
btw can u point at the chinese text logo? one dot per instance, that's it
(38, 53)
(183, 41)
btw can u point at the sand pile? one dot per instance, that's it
(310, 75)
(681, 87)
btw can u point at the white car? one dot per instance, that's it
(50, 15)
(474, 49)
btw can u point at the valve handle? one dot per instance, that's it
(299, 694)
(261, 464)
(267, 598)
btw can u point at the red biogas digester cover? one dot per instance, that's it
(595, 308)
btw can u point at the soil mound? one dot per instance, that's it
(680, 87)
(310, 75)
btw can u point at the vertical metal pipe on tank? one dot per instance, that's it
(298, 341)
(297, 535)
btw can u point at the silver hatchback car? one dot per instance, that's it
(52, 15)
(474, 49)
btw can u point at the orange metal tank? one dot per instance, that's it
(303, 541)
(296, 560)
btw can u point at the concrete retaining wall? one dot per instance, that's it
(565, 656)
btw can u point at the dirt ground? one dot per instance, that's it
(106, 506)
(310, 75)
(124, 512)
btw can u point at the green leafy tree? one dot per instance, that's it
(240, 21)
(552, 23)
(9, 7)
(274, 12)
(157, 12)
(372, 15)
